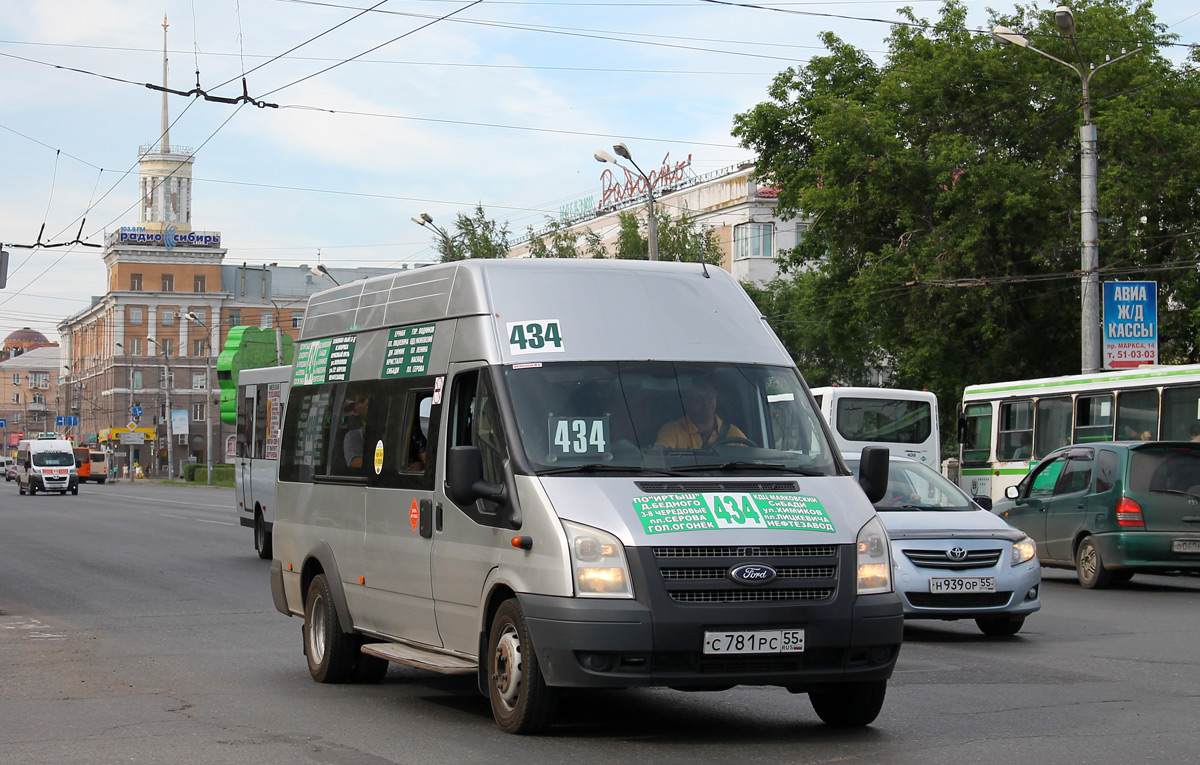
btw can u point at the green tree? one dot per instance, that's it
(679, 238)
(942, 190)
(476, 236)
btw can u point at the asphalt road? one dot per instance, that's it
(136, 625)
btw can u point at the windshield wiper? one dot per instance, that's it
(601, 467)
(923, 508)
(745, 465)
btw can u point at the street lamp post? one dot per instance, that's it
(167, 397)
(652, 225)
(426, 220)
(1089, 208)
(129, 457)
(192, 317)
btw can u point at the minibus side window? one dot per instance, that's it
(305, 449)
(260, 421)
(363, 415)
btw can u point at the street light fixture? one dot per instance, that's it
(129, 466)
(320, 270)
(208, 396)
(1089, 209)
(426, 220)
(623, 151)
(167, 397)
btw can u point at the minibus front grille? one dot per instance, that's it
(786, 572)
(748, 551)
(697, 487)
(749, 596)
(707, 575)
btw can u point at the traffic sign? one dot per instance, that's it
(137, 412)
(72, 420)
(131, 425)
(3, 422)
(60, 421)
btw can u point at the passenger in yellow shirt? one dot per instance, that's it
(700, 426)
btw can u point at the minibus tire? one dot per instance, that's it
(521, 701)
(368, 669)
(849, 705)
(329, 651)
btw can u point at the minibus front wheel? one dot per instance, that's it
(330, 652)
(521, 700)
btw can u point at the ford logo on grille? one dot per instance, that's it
(956, 553)
(752, 573)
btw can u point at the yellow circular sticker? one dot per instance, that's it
(378, 457)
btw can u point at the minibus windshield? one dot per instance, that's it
(666, 416)
(53, 459)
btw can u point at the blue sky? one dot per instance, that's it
(502, 103)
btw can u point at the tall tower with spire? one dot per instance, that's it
(166, 175)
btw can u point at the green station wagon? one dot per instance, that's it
(1111, 510)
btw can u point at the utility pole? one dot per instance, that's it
(167, 399)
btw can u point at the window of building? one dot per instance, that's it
(17, 378)
(168, 346)
(201, 314)
(135, 282)
(198, 284)
(297, 319)
(39, 379)
(168, 282)
(198, 380)
(168, 317)
(198, 414)
(39, 398)
(134, 346)
(753, 240)
(16, 398)
(264, 320)
(198, 347)
(137, 378)
(235, 317)
(135, 314)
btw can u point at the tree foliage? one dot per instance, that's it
(679, 238)
(476, 236)
(942, 188)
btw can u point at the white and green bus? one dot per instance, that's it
(1005, 428)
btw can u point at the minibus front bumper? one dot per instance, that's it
(658, 641)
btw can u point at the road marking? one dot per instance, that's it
(180, 517)
(168, 501)
(37, 630)
(223, 523)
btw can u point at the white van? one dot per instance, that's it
(46, 464)
(569, 474)
(261, 397)
(904, 421)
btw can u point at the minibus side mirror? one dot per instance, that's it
(464, 477)
(873, 472)
(962, 429)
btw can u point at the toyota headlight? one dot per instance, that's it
(598, 560)
(1024, 549)
(874, 558)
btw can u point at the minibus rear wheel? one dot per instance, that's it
(330, 652)
(521, 700)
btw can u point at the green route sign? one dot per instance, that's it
(715, 511)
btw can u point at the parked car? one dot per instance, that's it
(9, 466)
(952, 558)
(1111, 510)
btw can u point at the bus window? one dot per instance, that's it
(977, 442)
(1053, 425)
(893, 421)
(1181, 413)
(1094, 418)
(1137, 415)
(1015, 434)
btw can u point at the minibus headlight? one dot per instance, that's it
(598, 561)
(874, 559)
(1023, 550)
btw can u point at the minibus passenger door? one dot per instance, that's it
(467, 545)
